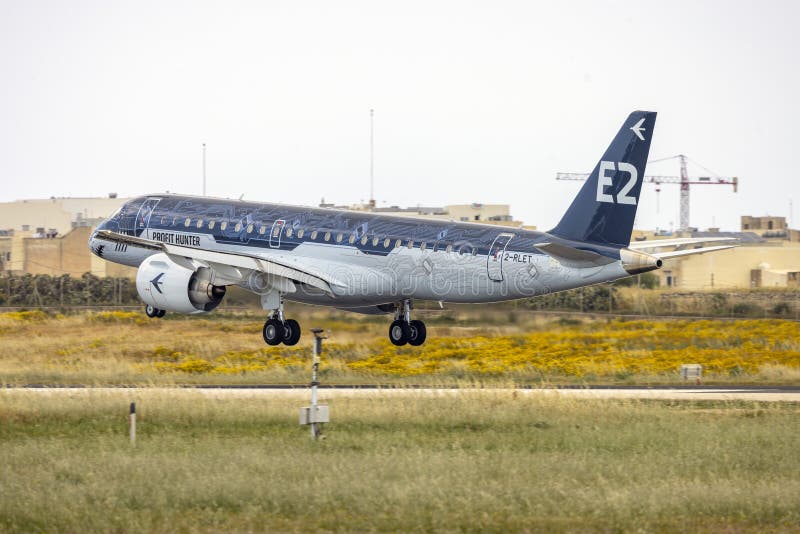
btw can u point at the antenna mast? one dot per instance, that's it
(372, 159)
(204, 169)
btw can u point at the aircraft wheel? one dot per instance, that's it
(291, 332)
(161, 313)
(151, 311)
(417, 333)
(273, 332)
(399, 332)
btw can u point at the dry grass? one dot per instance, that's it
(489, 347)
(482, 461)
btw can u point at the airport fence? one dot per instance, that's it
(633, 297)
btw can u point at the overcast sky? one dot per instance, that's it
(474, 101)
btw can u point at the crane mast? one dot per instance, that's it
(684, 194)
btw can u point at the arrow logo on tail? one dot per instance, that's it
(157, 282)
(637, 129)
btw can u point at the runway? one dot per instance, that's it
(715, 393)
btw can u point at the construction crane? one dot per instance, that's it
(683, 180)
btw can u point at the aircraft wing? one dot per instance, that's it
(663, 243)
(228, 265)
(689, 251)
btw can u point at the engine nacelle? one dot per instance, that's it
(164, 284)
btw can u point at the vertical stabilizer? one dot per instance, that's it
(604, 210)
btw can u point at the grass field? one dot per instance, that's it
(493, 346)
(481, 461)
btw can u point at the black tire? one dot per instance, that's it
(398, 333)
(291, 332)
(273, 332)
(417, 333)
(161, 313)
(151, 311)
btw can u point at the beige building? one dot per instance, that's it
(67, 254)
(56, 216)
(50, 236)
(768, 256)
(499, 214)
(773, 228)
(747, 266)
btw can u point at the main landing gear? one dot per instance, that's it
(153, 312)
(403, 330)
(279, 330)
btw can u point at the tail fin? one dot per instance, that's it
(604, 210)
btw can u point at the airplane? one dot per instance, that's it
(189, 249)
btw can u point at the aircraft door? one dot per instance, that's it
(276, 233)
(494, 262)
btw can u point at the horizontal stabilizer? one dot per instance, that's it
(663, 243)
(573, 257)
(689, 252)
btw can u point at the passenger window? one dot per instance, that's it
(474, 251)
(249, 228)
(314, 234)
(301, 233)
(210, 225)
(449, 249)
(423, 246)
(187, 222)
(289, 232)
(237, 227)
(199, 223)
(410, 243)
(352, 239)
(386, 242)
(398, 243)
(339, 238)
(223, 225)
(262, 230)
(375, 241)
(364, 240)
(327, 236)
(164, 220)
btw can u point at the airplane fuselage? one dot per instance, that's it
(375, 259)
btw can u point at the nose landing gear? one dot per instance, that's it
(153, 312)
(404, 330)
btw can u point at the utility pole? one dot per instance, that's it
(372, 158)
(204, 169)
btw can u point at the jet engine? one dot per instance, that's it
(165, 285)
